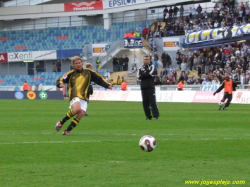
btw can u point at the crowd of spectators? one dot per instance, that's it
(177, 21)
(211, 65)
(223, 15)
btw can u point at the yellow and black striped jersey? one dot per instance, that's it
(79, 81)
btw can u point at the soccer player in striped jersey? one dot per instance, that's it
(78, 81)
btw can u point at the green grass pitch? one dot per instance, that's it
(194, 142)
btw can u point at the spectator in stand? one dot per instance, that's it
(246, 5)
(154, 46)
(170, 13)
(145, 33)
(183, 66)
(107, 74)
(163, 74)
(227, 52)
(131, 34)
(240, 15)
(115, 63)
(178, 60)
(119, 80)
(216, 24)
(199, 10)
(137, 34)
(180, 84)
(181, 11)
(194, 13)
(232, 3)
(38, 67)
(126, 35)
(190, 13)
(165, 12)
(25, 86)
(241, 5)
(112, 82)
(54, 67)
(135, 62)
(58, 65)
(98, 63)
(205, 15)
(124, 86)
(121, 63)
(156, 58)
(164, 59)
(133, 69)
(125, 63)
(176, 10)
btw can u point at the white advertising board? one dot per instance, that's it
(32, 55)
(171, 44)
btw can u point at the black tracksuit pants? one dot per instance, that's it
(228, 97)
(149, 103)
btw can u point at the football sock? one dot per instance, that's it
(69, 115)
(73, 124)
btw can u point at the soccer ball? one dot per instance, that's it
(221, 103)
(147, 143)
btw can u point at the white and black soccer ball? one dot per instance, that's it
(221, 103)
(147, 143)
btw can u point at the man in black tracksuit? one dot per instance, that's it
(148, 89)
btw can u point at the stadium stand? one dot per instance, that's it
(62, 38)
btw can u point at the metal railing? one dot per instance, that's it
(106, 56)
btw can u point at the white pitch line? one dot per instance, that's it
(92, 141)
(117, 134)
(48, 142)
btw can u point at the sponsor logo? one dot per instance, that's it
(43, 95)
(242, 97)
(19, 95)
(83, 6)
(172, 44)
(99, 50)
(210, 87)
(35, 55)
(131, 43)
(238, 96)
(117, 3)
(65, 76)
(3, 57)
(217, 33)
(31, 95)
(20, 56)
(80, 6)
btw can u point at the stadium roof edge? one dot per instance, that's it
(57, 10)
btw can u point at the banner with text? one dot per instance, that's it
(171, 44)
(32, 55)
(120, 3)
(215, 34)
(83, 6)
(133, 42)
(99, 49)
